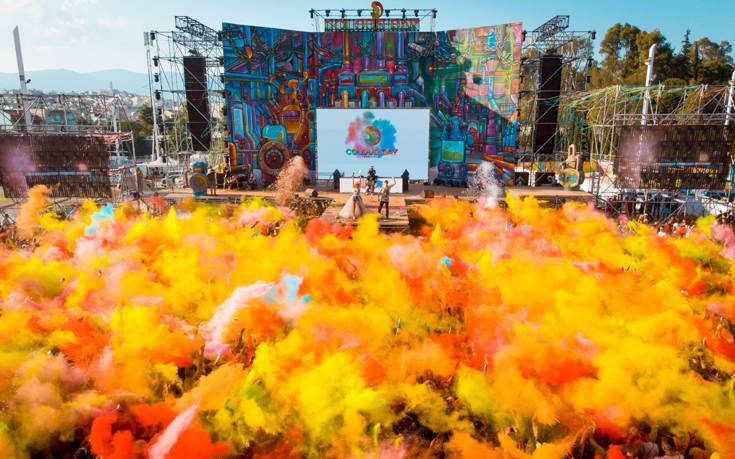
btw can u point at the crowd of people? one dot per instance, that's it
(676, 226)
(656, 206)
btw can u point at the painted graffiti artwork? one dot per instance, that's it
(468, 79)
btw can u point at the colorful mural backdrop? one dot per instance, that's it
(275, 79)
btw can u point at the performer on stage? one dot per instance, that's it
(385, 197)
(354, 207)
(372, 179)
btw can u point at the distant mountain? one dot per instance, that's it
(62, 80)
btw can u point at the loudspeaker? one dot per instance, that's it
(197, 106)
(547, 106)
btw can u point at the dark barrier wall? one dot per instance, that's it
(69, 165)
(275, 79)
(195, 83)
(674, 157)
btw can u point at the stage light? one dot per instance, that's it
(219, 36)
(404, 13)
(590, 61)
(593, 34)
(387, 13)
(156, 77)
(326, 12)
(523, 36)
(311, 13)
(433, 14)
(221, 60)
(222, 78)
(158, 95)
(155, 61)
(153, 36)
(359, 12)
(416, 13)
(589, 79)
(343, 13)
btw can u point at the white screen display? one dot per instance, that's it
(390, 140)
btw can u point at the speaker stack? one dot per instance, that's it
(197, 106)
(547, 106)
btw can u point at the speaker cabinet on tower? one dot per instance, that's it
(195, 83)
(547, 107)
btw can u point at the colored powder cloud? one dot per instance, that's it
(522, 332)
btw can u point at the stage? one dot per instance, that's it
(416, 191)
(400, 205)
(398, 220)
(551, 196)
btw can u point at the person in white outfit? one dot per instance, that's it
(354, 207)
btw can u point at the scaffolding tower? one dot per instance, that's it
(166, 51)
(602, 113)
(68, 114)
(575, 50)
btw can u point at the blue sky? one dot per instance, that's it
(89, 35)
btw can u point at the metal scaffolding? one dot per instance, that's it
(166, 51)
(599, 113)
(68, 114)
(426, 17)
(56, 112)
(575, 50)
(598, 117)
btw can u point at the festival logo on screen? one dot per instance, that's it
(371, 137)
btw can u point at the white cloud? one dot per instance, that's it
(108, 22)
(72, 31)
(30, 7)
(71, 5)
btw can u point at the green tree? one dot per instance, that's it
(679, 72)
(177, 133)
(145, 114)
(624, 51)
(138, 128)
(145, 118)
(711, 63)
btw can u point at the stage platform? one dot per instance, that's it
(416, 191)
(400, 204)
(555, 197)
(398, 213)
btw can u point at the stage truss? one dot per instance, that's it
(425, 16)
(599, 115)
(575, 49)
(166, 51)
(100, 111)
(69, 114)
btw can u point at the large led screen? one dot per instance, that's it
(391, 141)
